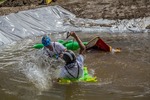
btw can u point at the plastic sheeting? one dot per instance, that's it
(54, 19)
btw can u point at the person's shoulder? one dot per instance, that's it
(80, 55)
(58, 44)
(55, 43)
(80, 58)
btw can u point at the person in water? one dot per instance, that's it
(52, 49)
(73, 68)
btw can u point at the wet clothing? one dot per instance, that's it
(58, 48)
(73, 70)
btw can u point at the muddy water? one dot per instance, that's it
(27, 75)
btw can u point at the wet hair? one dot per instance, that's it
(69, 56)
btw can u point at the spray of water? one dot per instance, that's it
(40, 70)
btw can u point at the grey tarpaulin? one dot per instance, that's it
(53, 19)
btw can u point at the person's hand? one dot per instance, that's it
(61, 55)
(73, 34)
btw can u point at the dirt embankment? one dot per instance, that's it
(95, 9)
(109, 9)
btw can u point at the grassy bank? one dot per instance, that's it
(1, 1)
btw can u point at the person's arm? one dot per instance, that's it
(81, 45)
(60, 48)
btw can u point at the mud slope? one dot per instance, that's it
(95, 9)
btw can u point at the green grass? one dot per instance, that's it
(1, 1)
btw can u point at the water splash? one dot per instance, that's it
(39, 77)
(39, 69)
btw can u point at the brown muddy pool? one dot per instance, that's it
(27, 75)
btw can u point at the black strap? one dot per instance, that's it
(78, 70)
(71, 74)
